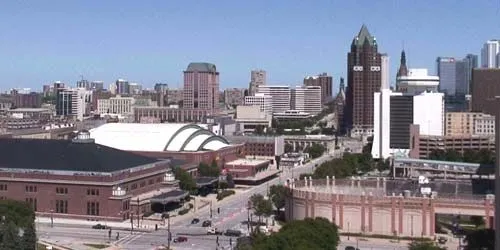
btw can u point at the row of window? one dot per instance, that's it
(59, 190)
(143, 183)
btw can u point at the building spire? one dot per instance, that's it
(403, 69)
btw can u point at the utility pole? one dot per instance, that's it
(210, 209)
(168, 231)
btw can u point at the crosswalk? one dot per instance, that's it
(128, 238)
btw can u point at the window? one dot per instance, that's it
(143, 184)
(61, 190)
(93, 208)
(151, 181)
(3, 198)
(126, 205)
(62, 206)
(134, 186)
(3, 187)
(31, 189)
(93, 191)
(32, 202)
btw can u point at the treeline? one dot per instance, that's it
(17, 226)
(483, 156)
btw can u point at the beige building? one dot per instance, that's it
(307, 99)
(469, 123)
(234, 96)
(248, 118)
(265, 102)
(257, 78)
(116, 105)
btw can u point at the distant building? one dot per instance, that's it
(97, 85)
(339, 104)
(325, 82)
(385, 69)
(135, 88)
(31, 100)
(122, 87)
(307, 99)
(446, 70)
(234, 96)
(265, 103)
(485, 86)
(201, 87)
(416, 81)
(257, 78)
(170, 114)
(249, 118)
(83, 84)
(471, 62)
(489, 54)
(161, 93)
(74, 103)
(116, 105)
(281, 96)
(363, 80)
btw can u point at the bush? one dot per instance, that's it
(225, 193)
(147, 214)
(183, 211)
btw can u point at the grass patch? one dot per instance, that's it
(96, 246)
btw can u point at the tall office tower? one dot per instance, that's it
(497, 177)
(395, 112)
(325, 82)
(484, 88)
(307, 99)
(97, 85)
(135, 88)
(363, 79)
(471, 62)
(461, 79)
(73, 102)
(257, 78)
(83, 84)
(446, 70)
(122, 87)
(403, 69)
(234, 96)
(385, 69)
(161, 91)
(281, 96)
(265, 103)
(339, 104)
(489, 54)
(201, 86)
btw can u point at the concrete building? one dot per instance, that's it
(175, 96)
(469, 123)
(446, 70)
(497, 176)
(73, 103)
(307, 99)
(261, 147)
(417, 81)
(30, 100)
(257, 78)
(116, 105)
(161, 94)
(339, 104)
(234, 96)
(485, 86)
(281, 96)
(201, 87)
(395, 113)
(292, 115)
(364, 78)
(385, 207)
(489, 54)
(265, 103)
(249, 118)
(325, 82)
(168, 114)
(135, 88)
(385, 69)
(97, 85)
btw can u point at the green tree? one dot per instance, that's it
(486, 156)
(477, 220)
(453, 155)
(211, 170)
(480, 239)
(438, 155)
(470, 156)
(10, 236)
(315, 151)
(424, 245)
(29, 238)
(278, 195)
(261, 206)
(317, 233)
(186, 181)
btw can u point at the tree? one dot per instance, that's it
(424, 245)
(211, 170)
(316, 150)
(480, 239)
(278, 195)
(453, 155)
(10, 236)
(261, 206)
(186, 181)
(438, 154)
(317, 233)
(470, 156)
(29, 239)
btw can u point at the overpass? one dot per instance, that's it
(377, 206)
(305, 141)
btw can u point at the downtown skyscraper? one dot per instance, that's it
(201, 87)
(363, 80)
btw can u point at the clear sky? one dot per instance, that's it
(153, 41)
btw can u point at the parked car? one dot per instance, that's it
(100, 226)
(180, 239)
(442, 240)
(234, 233)
(351, 248)
(195, 221)
(207, 223)
(214, 231)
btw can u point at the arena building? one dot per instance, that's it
(188, 142)
(84, 180)
(386, 207)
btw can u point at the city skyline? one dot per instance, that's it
(288, 45)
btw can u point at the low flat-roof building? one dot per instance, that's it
(81, 179)
(242, 168)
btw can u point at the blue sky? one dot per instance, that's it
(153, 41)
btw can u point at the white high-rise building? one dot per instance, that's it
(394, 113)
(74, 102)
(265, 102)
(384, 67)
(280, 94)
(416, 82)
(490, 54)
(307, 99)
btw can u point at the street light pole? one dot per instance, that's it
(348, 230)
(168, 231)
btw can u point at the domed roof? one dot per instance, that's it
(176, 137)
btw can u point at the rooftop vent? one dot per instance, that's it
(83, 137)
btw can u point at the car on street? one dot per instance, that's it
(442, 240)
(233, 233)
(100, 226)
(206, 223)
(351, 248)
(214, 231)
(180, 239)
(195, 221)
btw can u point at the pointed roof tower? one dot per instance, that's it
(403, 70)
(364, 36)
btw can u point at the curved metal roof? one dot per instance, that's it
(176, 137)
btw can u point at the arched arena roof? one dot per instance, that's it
(159, 137)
